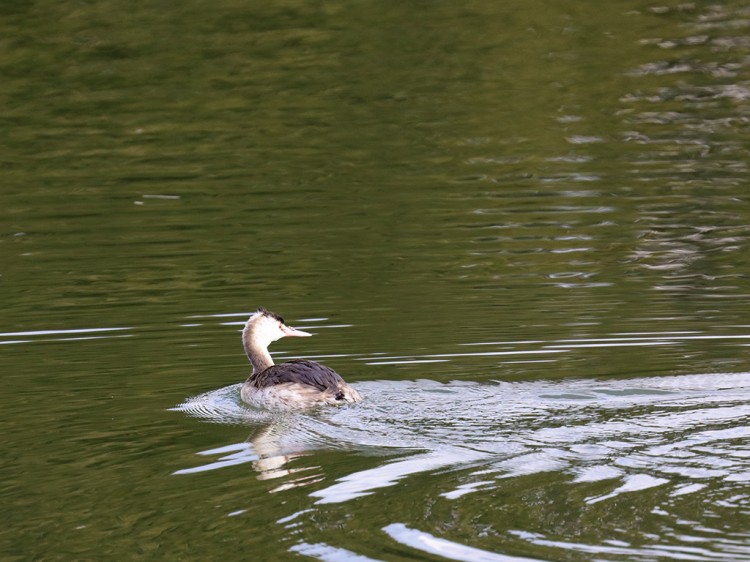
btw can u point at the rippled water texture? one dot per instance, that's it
(519, 229)
(635, 455)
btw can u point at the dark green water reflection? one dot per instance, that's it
(521, 228)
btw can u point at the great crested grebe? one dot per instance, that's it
(292, 385)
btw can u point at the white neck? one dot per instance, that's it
(256, 350)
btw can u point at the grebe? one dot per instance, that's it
(292, 385)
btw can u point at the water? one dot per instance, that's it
(519, 229)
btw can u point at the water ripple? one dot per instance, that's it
(655, 440)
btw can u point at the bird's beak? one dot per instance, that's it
(292, 332)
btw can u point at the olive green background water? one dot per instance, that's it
(549, 195)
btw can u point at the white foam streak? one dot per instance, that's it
(328, 553)
(240, 453)
(632, 483)
(363, 482)
(430, 544)
(58, 332)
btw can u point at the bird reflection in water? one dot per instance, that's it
(272, 460)
(265, 451)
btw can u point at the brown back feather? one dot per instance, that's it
(298, 371)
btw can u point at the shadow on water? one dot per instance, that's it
(662, 441)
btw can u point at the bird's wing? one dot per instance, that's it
(310, 373)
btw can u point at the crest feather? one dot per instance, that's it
(265, 312)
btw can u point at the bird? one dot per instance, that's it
(293, 385)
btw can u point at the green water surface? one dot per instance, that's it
(548, 195)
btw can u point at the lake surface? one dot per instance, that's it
(520, 229)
